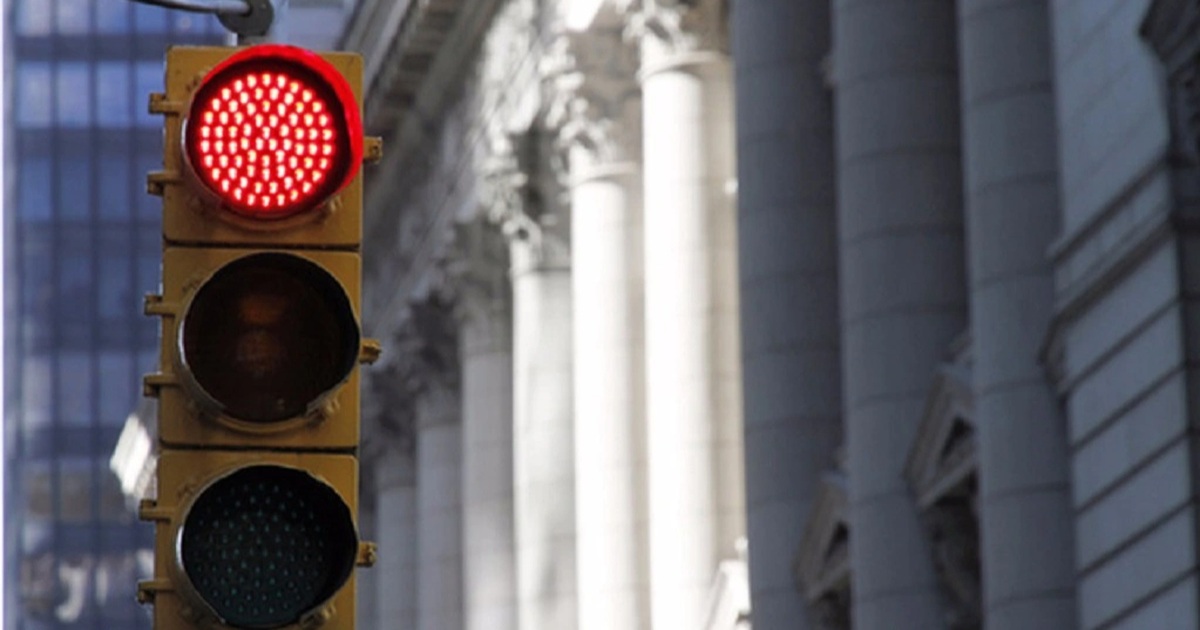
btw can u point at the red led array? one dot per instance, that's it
(265, 141)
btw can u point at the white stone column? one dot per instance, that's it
(366, 578)
(396, 527)
(485, 311)
(787, 227)
(693, 366)
(1013, 218)
(439, 525)
(543, 422)
(598, 99)
(902, 280)
(427, 352)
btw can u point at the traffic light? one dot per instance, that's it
(258, 381)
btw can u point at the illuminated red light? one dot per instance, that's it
(256, 124)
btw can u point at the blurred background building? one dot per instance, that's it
(82, 244)
(697, 314)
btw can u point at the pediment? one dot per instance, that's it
(823, 562)
(1171, 27)
(943, 454)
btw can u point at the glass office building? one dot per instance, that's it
(82, 247)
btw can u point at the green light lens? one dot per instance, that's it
(267, 544)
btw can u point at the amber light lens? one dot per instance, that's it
(271, 135)
(267, 544)
(268, 335)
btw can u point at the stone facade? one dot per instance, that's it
(867, 314)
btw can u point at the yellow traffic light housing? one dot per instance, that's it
(258, 380)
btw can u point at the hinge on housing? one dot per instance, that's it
(368, 554)
(160, 105)
(148, 510)
(370, 351)
(152, 384)
(153, 305)
(372, 149)
(148, 589)
(156, 181)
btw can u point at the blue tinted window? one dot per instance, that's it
(149, 78)
(33, 94)
(118, 304)
(75, 385)
(72, 15)
(114, 107)
(33, 189)
(35, 18)
(150, 19)
(116, 182)
(74, 94)
(113, 16)
(75, 181)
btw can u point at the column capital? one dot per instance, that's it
(673, 31)
(388, 418)
(595, 101)
(425, 348)
(477, 266)
(521, 191)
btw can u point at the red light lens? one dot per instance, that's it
(270, 135)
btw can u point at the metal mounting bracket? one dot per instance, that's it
(254, 23)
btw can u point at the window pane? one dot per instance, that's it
(75, 386)
(114, 108)
(33, 94)
(75, 180)
(72, 15)
(113, 16)
(118, 387)
(150, 19)
(74, 95)
(149, 79)
(116, 181)
(33, 192)
(34, 18)
(118, 302)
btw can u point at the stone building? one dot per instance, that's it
(913, 320)
(819, 314)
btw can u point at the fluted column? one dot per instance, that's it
(902, 279)
(396, 527)
(485, 312)
(427, 345)
(439, 529)
(601, 112)
(543, 431)
(1013, 217)
(787, 227)
(693, 367)
(365, 580)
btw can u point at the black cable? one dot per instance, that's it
(220, 7)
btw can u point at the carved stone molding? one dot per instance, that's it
(522, 192)
(425, 348)
(954, 538)
(477, 268)
(594, 100)
(832, 611)
(387, 412)
(942, 470)
(1172, 29)
(943, 455)
(822, 565)
(678, 26)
